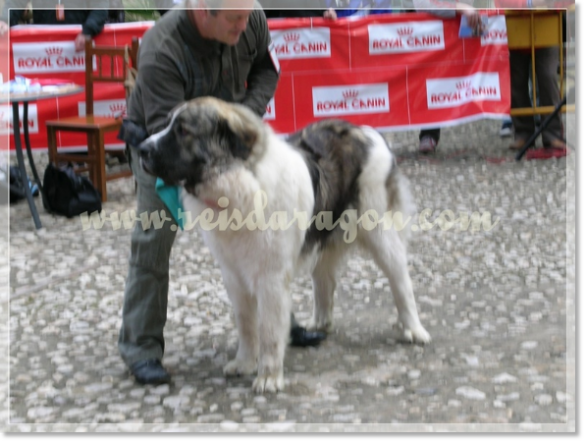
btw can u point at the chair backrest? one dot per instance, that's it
(108, 59)
(133, 52)
(132, 69)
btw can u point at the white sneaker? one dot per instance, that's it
(506, 131)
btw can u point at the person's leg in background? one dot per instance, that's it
(546, 62)
(506, 128)
(536, 117)
(520, 62)
(428, 140)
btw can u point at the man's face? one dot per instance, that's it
(230, 24)
(227, 25)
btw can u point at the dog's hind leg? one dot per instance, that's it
(324, 285)
(390, 254)
(274, 312)
(245, 309)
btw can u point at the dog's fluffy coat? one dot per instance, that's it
(215, 149)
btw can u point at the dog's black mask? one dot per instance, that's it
(198, 141)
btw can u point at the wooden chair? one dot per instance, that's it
(95, 127)
(131, 76)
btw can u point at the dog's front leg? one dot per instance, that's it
(274, 313)
(245, 311)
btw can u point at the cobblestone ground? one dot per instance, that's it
(496, 304)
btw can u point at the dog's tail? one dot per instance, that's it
(400, 204)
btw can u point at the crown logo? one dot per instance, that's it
(350, 94)
(463, 85)
(55, 50)
(291, 37)
(404, 32)
(118, 107)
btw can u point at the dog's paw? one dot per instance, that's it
(268, 383)
(239, 367)
(411, 335)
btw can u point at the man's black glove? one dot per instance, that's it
(132, 133)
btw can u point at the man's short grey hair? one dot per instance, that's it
(214, 4)
(211, 4)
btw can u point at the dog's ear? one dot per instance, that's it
(232, 141)
(245, 130)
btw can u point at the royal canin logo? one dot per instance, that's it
(54, 51)
(496, 33)
(404, 32)
(291, 37)
(406, 37)
(105, 108)
(449, 92)
(42, 58)
(351, 99)
(302, 43)
(6, 123)
(463, 85)
(349, 94)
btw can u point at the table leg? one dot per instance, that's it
(20, 158)
(29, 153)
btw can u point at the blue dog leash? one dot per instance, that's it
(170, 196)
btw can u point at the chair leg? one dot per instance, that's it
(91, 157)
(101, 165)
(52, 144)
(97, 162)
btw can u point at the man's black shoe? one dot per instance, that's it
(150, 372)
(302, 337)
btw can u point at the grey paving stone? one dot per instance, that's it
(494, 302)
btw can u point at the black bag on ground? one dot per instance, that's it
(69, 194)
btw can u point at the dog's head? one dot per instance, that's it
(203, 137)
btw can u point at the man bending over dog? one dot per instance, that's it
(218, 48)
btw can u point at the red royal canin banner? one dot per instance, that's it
(48, 52)
(390, 71)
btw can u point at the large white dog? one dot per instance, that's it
(254, 194)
